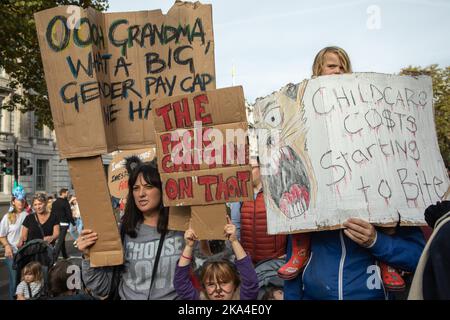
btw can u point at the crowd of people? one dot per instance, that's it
(45, 220)
(358, 262)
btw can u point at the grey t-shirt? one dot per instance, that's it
(139, 257)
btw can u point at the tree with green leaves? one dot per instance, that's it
(20, 56)
(441, 99)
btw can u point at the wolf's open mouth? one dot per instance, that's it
(289, 186)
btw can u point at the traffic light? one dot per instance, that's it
(25, 167)
(7, 161)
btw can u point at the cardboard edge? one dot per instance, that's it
(340, 226)
(106, 258)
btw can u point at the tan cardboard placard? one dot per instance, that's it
(213, 107)
(179, 218)
(209, 221)
(208, 156)
(105, 70)
(79, 126)
(191, 175)
(96, 210)
(205, 187)
(117, 172)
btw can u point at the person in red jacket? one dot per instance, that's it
(253, 226)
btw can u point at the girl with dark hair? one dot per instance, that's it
(151, 250)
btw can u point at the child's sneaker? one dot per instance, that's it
(392, 280)
(299, 258)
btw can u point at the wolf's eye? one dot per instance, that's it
(273, 117)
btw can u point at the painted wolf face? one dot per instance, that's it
(287, 174)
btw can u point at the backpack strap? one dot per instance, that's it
(155, 264)
(39, 225)
(30, 292)
(117, 272)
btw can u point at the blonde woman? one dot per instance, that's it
(41, 224)
(10, 233)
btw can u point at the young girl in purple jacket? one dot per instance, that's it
(221, 280)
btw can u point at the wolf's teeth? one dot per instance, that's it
(299, 208)
(304, 204)
(291, 212)
(296, 210)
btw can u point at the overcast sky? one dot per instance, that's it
(272, 43)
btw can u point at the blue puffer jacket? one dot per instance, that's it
(341, 269)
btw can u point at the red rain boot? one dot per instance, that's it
(299, 258)
(392, 280)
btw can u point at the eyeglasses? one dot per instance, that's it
(217, 286)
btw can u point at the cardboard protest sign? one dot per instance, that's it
(207, 221)
(202, 147)
(360, 145)
(104, 71)
(117, 172)
(96, 210)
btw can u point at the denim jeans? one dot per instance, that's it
(11, 277)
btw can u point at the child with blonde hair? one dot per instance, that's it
(32, 281)
(333, 61)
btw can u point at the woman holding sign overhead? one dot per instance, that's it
(342, 264)
(151, 251)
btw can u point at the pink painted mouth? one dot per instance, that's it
(295, 202)
(289, 183)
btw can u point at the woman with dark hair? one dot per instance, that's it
(151, 250)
